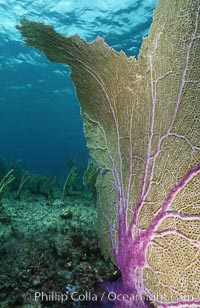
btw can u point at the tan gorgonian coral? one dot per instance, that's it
(141, 119)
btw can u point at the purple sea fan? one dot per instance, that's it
(141, 121)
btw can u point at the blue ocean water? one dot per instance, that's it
(40, 120)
